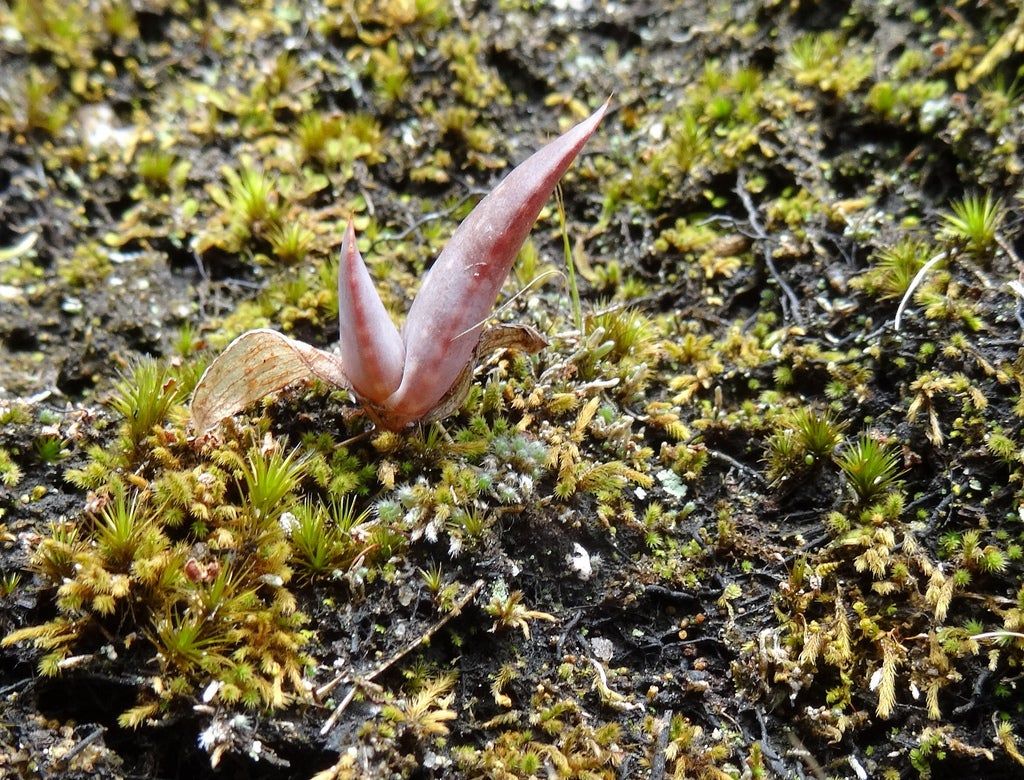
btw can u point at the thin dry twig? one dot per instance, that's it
(760, 235)
(361, 680)
(750, 472)
(914, 284)
(800, 751)
(432, 216)
(94, 735)
(1017, 286)
(659, 759)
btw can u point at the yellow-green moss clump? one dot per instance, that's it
(755, 510)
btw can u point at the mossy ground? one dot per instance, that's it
(739, 525)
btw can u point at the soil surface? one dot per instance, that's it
(754, 512)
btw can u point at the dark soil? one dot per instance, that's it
(750, 611)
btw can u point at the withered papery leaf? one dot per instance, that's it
(511, 336)
(449, 312)
(255, 364)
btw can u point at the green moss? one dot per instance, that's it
(88, 267)
(10, 472)
(824, 60)
(894, 268)
(690, 441)
(36, 102)
(225, 613)
(974, 221)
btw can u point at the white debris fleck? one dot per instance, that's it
(71, 305)
(857, 768)
(580, 562)
(213, 734)
(672, 483)
(603, 648)
(10, 34)
(15, 251)
(100, 128)
(210, 691)
(289, 522)
(433, 760)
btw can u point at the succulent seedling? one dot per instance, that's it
(424, 372)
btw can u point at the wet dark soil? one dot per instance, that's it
(707, 621)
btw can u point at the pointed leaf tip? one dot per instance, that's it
(371, 348)
(458, 294)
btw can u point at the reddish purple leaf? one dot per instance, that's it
(371, 349)
(458, 294)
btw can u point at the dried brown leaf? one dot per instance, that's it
(253, 365)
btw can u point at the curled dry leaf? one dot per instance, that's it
(424, 372)
(254, 365)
